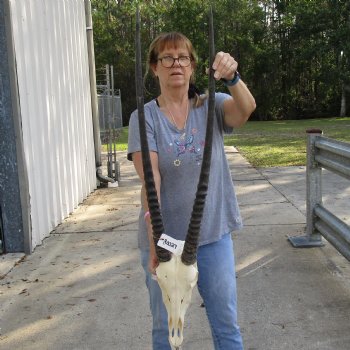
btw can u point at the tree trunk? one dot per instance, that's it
(343, 101)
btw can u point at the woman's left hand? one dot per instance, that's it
(225, 66)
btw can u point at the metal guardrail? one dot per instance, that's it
(334, 156)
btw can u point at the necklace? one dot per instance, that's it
(174, 122)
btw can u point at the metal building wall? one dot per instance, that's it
(54, 92)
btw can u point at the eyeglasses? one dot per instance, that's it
(169, 61)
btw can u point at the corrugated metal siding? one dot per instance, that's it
(54, 93)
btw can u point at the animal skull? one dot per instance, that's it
(176, 281)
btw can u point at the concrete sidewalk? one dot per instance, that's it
(84, 287)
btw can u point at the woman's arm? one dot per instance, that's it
(238, 109)
(242, 104)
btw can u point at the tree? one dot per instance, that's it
(294, 55)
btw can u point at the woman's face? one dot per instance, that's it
(177, 75)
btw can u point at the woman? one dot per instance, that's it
(176, 124)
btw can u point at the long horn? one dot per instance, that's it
(151, 192)
(189, 254)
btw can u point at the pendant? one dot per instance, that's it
(177, 162)
(182, 137)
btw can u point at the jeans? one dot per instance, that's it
(217, 287)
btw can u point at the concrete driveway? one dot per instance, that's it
(84, 289)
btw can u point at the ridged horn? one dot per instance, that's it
(189, 254)
(151, 192)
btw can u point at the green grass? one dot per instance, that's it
(283, 143)
(122, 140)
(273, 143)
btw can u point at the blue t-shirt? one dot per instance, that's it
(180, 158)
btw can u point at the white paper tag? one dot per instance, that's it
(173, 245)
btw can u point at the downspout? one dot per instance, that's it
(93, 91)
